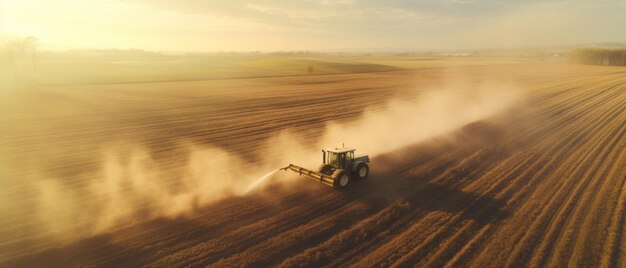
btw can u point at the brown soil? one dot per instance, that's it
(542, 184)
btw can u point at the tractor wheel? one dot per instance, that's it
(362, 170)
(342, 179)
(326, 169)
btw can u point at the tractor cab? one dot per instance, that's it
(338, 157)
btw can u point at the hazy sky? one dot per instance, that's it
(270, 25)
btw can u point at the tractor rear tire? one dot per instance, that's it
(362, 171)
(342, 179)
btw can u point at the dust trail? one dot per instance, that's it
(434, 112)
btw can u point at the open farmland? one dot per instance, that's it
(541, 183)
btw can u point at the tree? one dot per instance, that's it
(8, 45)
(14, 48)
(31, 44)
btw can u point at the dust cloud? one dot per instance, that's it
(130, 185)
(434, 112)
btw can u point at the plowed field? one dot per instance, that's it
(541, 183)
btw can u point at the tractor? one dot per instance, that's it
(338, 169)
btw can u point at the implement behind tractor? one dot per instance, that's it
(338, 169)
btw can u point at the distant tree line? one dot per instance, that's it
(599, 56)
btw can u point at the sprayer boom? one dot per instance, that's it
(323, 178)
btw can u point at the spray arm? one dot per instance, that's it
(323, 178)
(285, 168)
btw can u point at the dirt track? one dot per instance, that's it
(541, 184)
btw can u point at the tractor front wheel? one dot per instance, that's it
(342, 179)
(326, 169)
